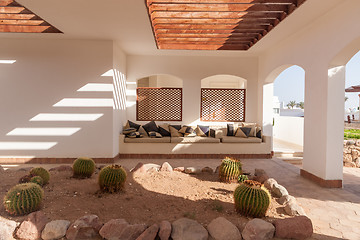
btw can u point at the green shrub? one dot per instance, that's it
(112, 178)
(229, 170)
(23, 199)
(83, 167)
(252, 199)
(42, 172)
(242, 178)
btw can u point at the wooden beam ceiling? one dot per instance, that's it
(215, 24)
(15, 18)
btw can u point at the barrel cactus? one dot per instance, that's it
(23, 199)
(242, 178)
(38, 180)
(229, 170)
(83, 167)
(112, 178)
(42, 172)
(252, 199)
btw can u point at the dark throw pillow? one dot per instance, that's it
(177, 127)
(151, 127)
(243, 132)
(135, 135)
(164, 130)
(134, 125)
(230, 130)
(204, 129)
(212, 133)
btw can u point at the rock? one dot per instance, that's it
(293, 209)
(179, 169)
(357, 162)
(61, 168)
(354, 154)
(279, 190)
(286, 199)
(192, 170)
(86, 227)
(119, 229)
(150, 233)
(55, 229)
(258, 229)
(165, 230)
(1, 169)
(7, 228)
(294, 228)
(221, 229)
(166, 167)
(350, 142)
(187, 229)
(259, 171)
(357, 142)
(347, 158)
(217, 169)
(269, 183)
(350, 164)
(207, 170)
(261, 178)
(31, 227)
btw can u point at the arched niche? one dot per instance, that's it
(160, 81)
(224, 81)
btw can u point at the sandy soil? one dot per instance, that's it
(148, 198)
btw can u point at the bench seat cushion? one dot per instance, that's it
(231, 139)
(196, 139)
(147, 140)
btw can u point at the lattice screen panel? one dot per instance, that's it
(159, 104)
(221, 105)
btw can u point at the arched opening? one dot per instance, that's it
(287, 110)
(223, 99)
(159, 98)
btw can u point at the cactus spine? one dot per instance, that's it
(112, 178)
(242, 178)
(252, 199)
(83, 167)
(23, 199)
(38, 180)
(229, 170)
(42, 172)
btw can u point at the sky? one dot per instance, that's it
(289, 85)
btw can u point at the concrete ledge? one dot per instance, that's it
(192, 156)
(321, 182)
(50, 160)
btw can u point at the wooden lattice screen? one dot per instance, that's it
(159, 104)
(223, 105)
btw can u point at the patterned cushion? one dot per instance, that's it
(164, 130)
(143, 132)
(252, 126)
(186, 130)
(135, 135)
(128, 130)
(151, 127)
(155, 135)
(202, 131)
(130, 124)
(174, 132)
(212, 133)
(242, 132)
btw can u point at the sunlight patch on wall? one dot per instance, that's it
(85, 102)
(64, 117)
(26, 145)
(109, 73)
(97, 87)
(43, 131)
(7, 61)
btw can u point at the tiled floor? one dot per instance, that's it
(335, 213)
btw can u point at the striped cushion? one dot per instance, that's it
(128, 131)
(155, 135)
(134, 135)
(242, 132)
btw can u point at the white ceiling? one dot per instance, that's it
(127, 22)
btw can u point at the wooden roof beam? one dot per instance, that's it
(21, 22)
(218, 7)
(215, 15)
(212, 21)
(149, 2)
(210, 31)
(203, 47)
(20, 16)
(220, 36)
(28, 29)
(210, 26)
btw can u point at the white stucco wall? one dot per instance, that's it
(191, 70)
(223, 81)
(46, 72)
(289, 129)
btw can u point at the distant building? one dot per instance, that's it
(280, 109)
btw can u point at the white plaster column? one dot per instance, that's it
(324, 124)
(267, 109)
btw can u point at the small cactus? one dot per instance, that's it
(229, 170)
(112, 178)
(38, 180)
(252, 199)
(242, 178)
(42, 172)
(23, 199)
(83, 167)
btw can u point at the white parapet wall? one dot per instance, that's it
(289, 129)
